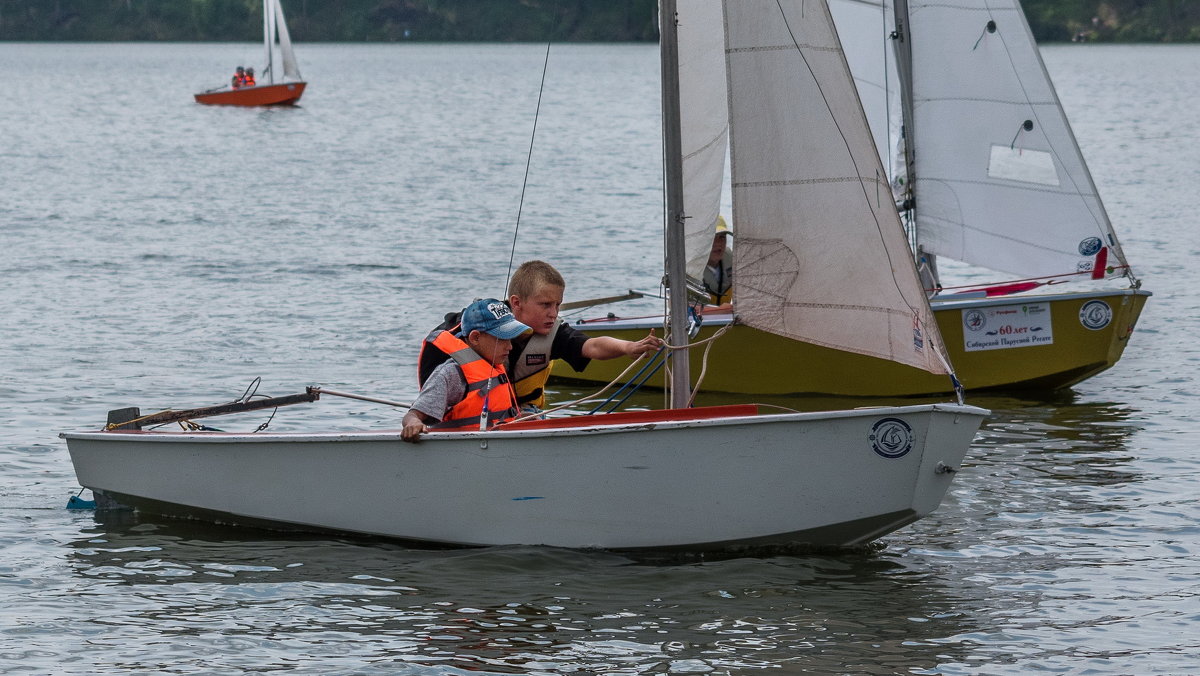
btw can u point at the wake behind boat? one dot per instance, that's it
(284, 93)
(682, 478)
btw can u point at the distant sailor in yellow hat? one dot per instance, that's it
(718, 274)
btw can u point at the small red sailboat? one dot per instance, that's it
(263, 95)
(287, 91)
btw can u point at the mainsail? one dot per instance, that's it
(821, 254)
(704, 123)
(864, 28)
(1000, 180)
(291, 71)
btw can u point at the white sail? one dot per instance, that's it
(1000, 181)
(704, 124)
(864, 28)
(291, 70)
(268, 40)
(821, 255)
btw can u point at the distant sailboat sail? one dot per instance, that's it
(291, 70)
(1003, 185)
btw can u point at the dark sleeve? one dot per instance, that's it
(568, 346)
(429, 356)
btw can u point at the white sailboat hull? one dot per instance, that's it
(804, 478)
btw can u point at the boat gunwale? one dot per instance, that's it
(286, 88)
(724, 318)
(502, 434)
(1029, 296)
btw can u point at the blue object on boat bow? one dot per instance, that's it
(76, 502)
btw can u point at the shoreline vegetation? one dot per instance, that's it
(498, 20)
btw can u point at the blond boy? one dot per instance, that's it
(535, 293)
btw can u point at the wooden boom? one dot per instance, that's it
(131, 418)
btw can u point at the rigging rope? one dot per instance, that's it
(1049, 279)
(621, 377)
(528, 160)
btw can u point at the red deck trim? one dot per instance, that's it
(634, 417)
(623, 418)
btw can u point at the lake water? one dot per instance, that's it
(157, 253)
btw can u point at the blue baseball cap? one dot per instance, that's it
(493, 317)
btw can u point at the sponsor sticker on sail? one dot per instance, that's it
(1007, 326)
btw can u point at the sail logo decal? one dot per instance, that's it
(1007, 326)
(1095, 315)
(974, 320)
(1090, 246)
(891, 437)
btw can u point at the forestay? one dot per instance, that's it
(821, 255)
(1001, 180)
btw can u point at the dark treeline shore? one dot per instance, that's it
(500, 20)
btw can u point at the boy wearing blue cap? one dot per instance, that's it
(471, 390)
(535, 295)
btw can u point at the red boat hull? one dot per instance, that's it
(286, 94)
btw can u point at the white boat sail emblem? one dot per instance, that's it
(892, 437)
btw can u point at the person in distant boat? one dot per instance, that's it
(239, 78)
(534, 293)
(718, 272)
(249, 79)
(472, 386)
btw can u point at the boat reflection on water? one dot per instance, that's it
(1066, 439)
(510, 609)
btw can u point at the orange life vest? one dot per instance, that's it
(488, 387)
(248, 81)
(530, 365)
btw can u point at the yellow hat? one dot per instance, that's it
(722, 226)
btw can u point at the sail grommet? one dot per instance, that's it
(1027, 125)
(988, 28)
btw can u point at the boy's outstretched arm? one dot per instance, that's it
(607, 347)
